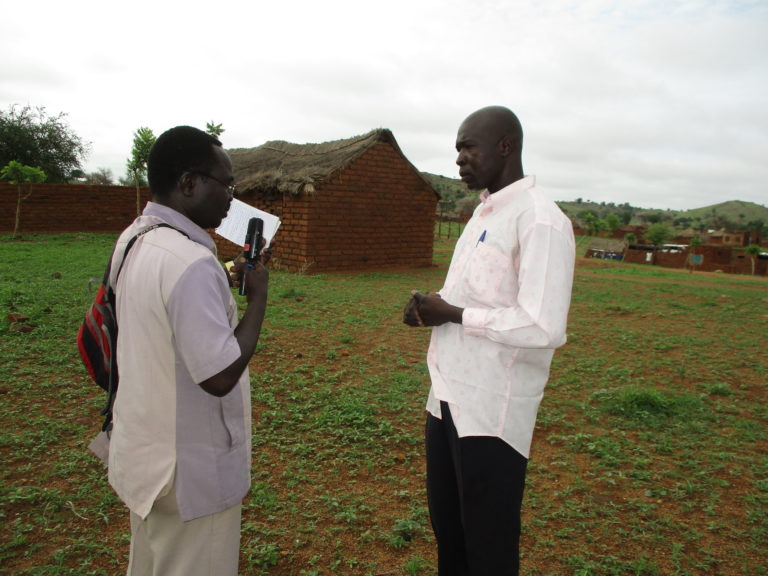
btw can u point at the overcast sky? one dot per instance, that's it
(662, 104)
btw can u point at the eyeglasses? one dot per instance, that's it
(231, 188)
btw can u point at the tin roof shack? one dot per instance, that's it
(606, 249)
(349, 204)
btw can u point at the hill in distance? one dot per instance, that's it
(735, 212)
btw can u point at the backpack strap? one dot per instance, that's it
(132, 241)
(111, 295)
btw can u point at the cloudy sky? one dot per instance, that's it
(659, 103)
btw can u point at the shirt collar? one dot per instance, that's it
(506, 195)
(178, 220)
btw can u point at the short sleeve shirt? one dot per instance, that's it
(176, 317)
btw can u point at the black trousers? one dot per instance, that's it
(475, 492)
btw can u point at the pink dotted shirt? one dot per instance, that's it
(512, 272)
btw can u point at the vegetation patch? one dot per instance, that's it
(650, 407)
(649, 456)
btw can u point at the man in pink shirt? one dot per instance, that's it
(496, 322)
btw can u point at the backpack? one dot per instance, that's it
(97, 337)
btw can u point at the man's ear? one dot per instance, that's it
(506, 146)
(187, 183)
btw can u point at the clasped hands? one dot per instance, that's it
(430, 310)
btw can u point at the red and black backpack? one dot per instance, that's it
(97, 337)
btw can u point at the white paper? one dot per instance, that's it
(235, 226)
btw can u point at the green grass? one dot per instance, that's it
(650, 455)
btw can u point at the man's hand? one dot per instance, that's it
(247, 331)
(256, 280)
(241, 268)
(411, 313)
(430, 310)
(255, 276)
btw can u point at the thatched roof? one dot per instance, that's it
(286, 167)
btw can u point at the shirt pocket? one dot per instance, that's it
(487, 269)
(232, 417)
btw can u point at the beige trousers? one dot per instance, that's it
(163, 545)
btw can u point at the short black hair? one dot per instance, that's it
(178, 150)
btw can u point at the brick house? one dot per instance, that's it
(349, 204)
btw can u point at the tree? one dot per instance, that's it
(653, 217)
(753, 251)
(143, 139)
(758, 226)
(19, 174)
(32, 138)
(722, 222)
(658, 234)
(612, 222)
(593, 224)
(102, 177)
(214, 130)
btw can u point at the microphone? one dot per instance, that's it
(252, 246)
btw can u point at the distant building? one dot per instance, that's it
(349, 204)
(724, 238)
(605, 248)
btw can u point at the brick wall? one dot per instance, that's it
(377, 212)
(69, 207)
(715, 258)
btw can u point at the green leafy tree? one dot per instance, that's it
(593, 224)
(658, 234)
(19, 174)
(612, 222)
(33, 138)
(758, 226)
(722, 222)
(143, 139)
(653, 217)
(214, 130)
(753, 251)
